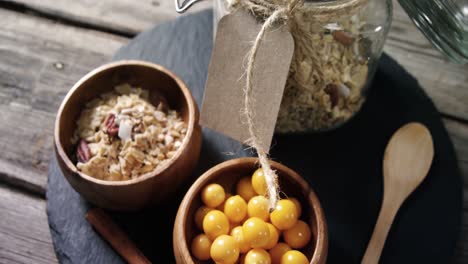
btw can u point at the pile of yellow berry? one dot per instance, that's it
(240, 228)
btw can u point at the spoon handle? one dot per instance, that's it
(381, 229)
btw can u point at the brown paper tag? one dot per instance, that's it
(223, 101)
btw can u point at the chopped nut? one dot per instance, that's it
(161, 138)
(148, 120)
(110, 126)
(138, 128)
(162, 105)
(146, 168)
(332, 91)
(160, 156)
(168, 140)
(160, 116)
(83, 153)
(175, 134)
(170, 154)
(123, 88)
(343, 37)
(179, 125)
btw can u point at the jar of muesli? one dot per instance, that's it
(337, 47)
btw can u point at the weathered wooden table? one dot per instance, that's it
(47, 45)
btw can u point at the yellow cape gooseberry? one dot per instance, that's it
(235, 209)
(277, 252)
(200, 214)
(297, 236)
(224, 250)
(285, 215)
(201, 245)
(215, 223)
(258, 206)
(256, 232)
(238, 235)
(294, 257)
(213, 195)
(257, 256)
(274, 236)
(298, 206)
(244, 188)
(221, 206)
(258, 182)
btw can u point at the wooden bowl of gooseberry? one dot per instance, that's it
(228, 174)
(153, 187)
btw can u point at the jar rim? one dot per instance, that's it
(326, 7)
(332, 3)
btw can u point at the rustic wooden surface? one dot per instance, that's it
(46, 46)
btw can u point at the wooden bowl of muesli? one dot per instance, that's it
(127, 135)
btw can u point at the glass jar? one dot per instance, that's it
(337, 47)
(444, 23)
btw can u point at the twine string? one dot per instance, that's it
(290, 12)
(271, 178)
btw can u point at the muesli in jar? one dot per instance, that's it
(337, 44)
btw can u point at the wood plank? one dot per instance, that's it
(36, 70)
(127, 16)
(445, 82)
(24, 231)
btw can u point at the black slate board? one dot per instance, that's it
(343, 166)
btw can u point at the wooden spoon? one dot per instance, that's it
(407, 160)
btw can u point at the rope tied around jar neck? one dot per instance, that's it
(321, 10)
(272, 12)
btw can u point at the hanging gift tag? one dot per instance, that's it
(223, 102)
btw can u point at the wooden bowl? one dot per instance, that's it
(156, 186)
(228, 174)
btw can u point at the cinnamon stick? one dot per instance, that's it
(115, 236)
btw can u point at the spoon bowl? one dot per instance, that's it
(407, 160)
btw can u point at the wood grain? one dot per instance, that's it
(41, 59)
(126, 16)
(24, 232)
(445, 82)
(37, 69)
